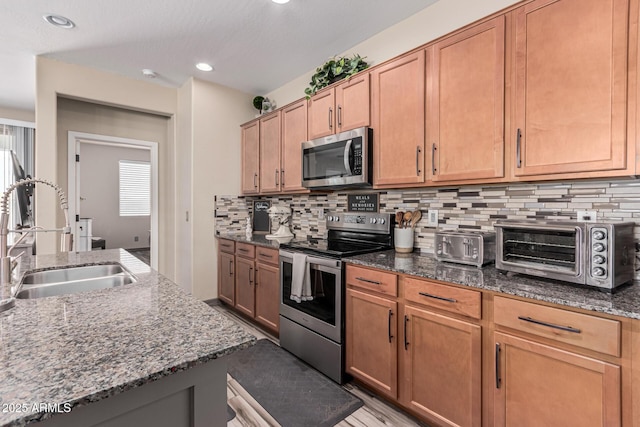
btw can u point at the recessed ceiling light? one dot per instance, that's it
(149, 73)
(280, 1)
(59, 21)
(203, 66)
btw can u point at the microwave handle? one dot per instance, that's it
(347, 156)
(540, 227)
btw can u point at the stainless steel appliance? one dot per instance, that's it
(338, 161)
(313, 330)
(466, 246)
(593, 254)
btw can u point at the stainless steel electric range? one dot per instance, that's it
(312, 292)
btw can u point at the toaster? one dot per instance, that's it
(468, 247)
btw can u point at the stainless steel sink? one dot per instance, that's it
(72, 280)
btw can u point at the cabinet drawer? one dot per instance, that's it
(246, 250)
(580, 330)
(374, 280)
(455, 300)
(267, 255)
(227, 246)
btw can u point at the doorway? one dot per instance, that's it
(111, 188)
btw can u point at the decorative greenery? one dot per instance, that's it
(257, 102)
(333, 70)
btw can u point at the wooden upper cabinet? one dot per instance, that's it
(270, 153)
(571, 85)
(465, 91)
(321, 108)
(397, 118)
(352, 103)
(250, 157)
(294, 132)
(340, 108)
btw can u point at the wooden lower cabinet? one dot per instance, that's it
(267, 301)
(540, 385)
(371, 341)
(226, 278)
(245, 283)
(442, 367)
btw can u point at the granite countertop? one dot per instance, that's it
(625, 301)
(84, 347)
(255, 239)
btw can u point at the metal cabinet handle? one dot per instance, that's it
(230, 268)
(406, 320)
(368, 281)
(339, 116)
(498, 379)
(282, 177)
(550, 325)
(243, 250)
(418, 151)
(433, 159)
(518, 149)
(250, 274)
(277, 175)
(266, 256)
(390, 314)
(451, 300)
(255, 182)
(330, 118)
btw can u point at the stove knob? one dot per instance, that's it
(373, 220)
(336, 218)
(381, 221)
(598, 247)
(598, 271)
(598, 235)
(599, 259)
(330, 218)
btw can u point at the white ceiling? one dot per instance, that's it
(254, 45)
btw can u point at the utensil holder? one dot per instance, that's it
(403, 240)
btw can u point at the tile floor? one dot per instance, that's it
(374, 413)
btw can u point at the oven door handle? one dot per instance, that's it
(347, 157)
(326, 262)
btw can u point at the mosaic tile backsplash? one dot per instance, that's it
(468, 207)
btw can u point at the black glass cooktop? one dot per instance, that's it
(333, 248)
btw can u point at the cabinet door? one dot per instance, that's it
(571, 83)
(268, 296)
(465, 127)
(321, 114)
(245, 284)
(226, 278)
(397, 116)
(270, 153)
(541, 385)
(371, 336)
(250, 157)
(353, 103)
(294, 132)
(442, 367)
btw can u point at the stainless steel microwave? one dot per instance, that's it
(342, 160)
(594, 254)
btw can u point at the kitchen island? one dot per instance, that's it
(146, 353)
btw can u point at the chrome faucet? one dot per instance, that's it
(7, 264)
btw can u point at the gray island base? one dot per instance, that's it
(146, 353)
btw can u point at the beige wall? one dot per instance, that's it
(217, 113)
(57, 79)
(435, 21)
(13, 114)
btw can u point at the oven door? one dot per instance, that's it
(322, 314)
(553, 251)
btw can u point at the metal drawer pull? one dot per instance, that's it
(339, 116)
(255, 177)
(418, 150)
(368, 281)
(451, 300)
(250, 274)
(406, 343)
(230, 268)
(243, 250)
(498, 379)
(266, 256)
(550, 325)
(330, 118)
(519, 149)
(282, 177)
(390, 314)
(277, 175)
(433, 159)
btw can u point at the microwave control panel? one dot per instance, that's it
(357, 156)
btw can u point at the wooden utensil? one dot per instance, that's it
(415, 217)
(399, 216)
(407, 219)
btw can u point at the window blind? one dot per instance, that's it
(135, 188)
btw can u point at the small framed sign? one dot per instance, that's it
(365, 202)
(261, 220)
